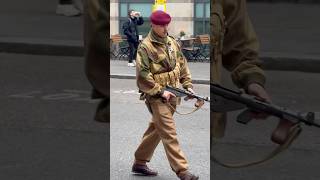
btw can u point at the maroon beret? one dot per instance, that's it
(160, 18)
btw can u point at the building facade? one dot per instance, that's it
(190, 16)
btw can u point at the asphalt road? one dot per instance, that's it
(46, 127)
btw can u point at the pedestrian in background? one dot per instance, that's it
(130, 29)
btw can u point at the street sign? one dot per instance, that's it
(160, 5)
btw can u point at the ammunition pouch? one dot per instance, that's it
(171, 78)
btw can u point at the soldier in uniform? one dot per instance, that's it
(160, 62)
(234, 46)
(96, 27)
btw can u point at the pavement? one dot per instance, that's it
(288, 33)
(32, 27)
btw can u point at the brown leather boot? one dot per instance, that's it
(143, 170)
(188, 176)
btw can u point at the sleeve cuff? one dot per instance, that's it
(188, 86)
(255, 78)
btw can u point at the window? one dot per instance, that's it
(202, 17)
(145, 7)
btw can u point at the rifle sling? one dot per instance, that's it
(294, 133)
(175, 110)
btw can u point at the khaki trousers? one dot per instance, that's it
(162, 128)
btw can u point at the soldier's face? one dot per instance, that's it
(160, 30)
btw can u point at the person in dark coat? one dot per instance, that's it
(130, 29)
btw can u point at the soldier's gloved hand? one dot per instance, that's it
(189, 97)
(167, 95)
(261, 94)
(199, 102)
(259, 91)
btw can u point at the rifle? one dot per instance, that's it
(255, 105)
(288, 129)
(225, 100)
(181, 93)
